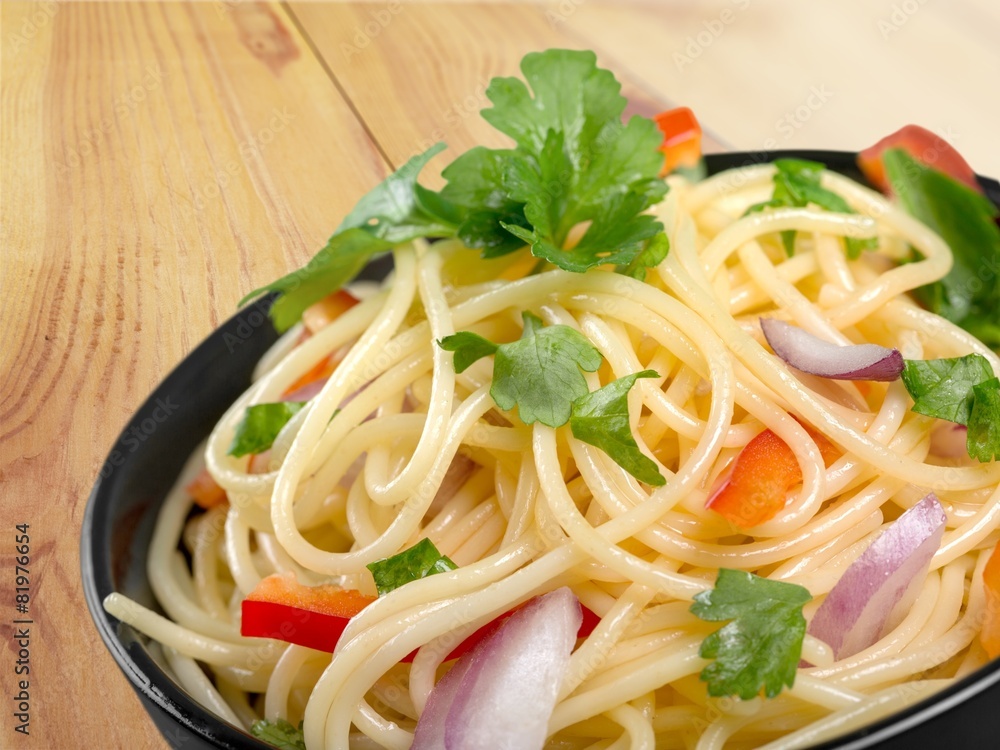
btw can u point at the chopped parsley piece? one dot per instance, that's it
(279, 733)
(963, 390)
(942, 388)
(796, 185)
(395, 211)
(969, 294)
(419, 561)
(539, 373)
(761, 646)
(983, 440)
(469, 348)
(260, 426)
(601, 419)
(574, 163)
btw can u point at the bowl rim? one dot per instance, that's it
(157, 689)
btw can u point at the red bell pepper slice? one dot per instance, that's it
(989, 636)
(763, 473)
(922, 145)
(316, 616)
(681, 138)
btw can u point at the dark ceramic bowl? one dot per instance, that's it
(181, 412)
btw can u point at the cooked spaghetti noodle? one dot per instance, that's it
(417, 450)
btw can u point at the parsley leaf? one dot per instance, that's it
(468, 347)
(963, 390)
(395, 211)
(942, 388)
(601, 419)
(968, 295)
(796, 185)
(652, 256)
(761, 646)
(260, 426)
(575, 161)
(419, 561)
(983, 440)
(279, 733)
(540, 372)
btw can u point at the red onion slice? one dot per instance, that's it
(879, 587)
(811, 354)
(502, 694)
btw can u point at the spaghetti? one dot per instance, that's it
(398, 446)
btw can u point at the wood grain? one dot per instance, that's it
(159, 161)
(785, 74)
(417, 73)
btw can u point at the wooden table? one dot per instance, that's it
(158, 161)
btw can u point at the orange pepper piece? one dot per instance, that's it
(763, 473)
(990, 634)
(205, 491)
(681, 138)
(320, 314)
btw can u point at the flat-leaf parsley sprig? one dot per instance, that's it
(541, 375)
(575, 163)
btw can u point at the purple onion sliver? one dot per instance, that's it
(880, 586)
(808, 353)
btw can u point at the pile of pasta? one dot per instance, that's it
(397, 447)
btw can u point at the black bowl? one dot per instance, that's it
(149, 454)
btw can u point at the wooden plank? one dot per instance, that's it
(158, 162)
(417, 73)
(798, 75)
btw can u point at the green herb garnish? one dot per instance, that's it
(260, 426)
(574, 163)
(539, 373)
(419, 561)
(983, 440)
(962, 390)
(279, 733)
(969, 295)
(762, 645)
(796, 185)
(601, 419)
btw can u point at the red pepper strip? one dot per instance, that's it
(763, 473)
(312, 616)
(681, 138)
(205, 491)
(922, 145)
(316, 616)
(990, 634)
